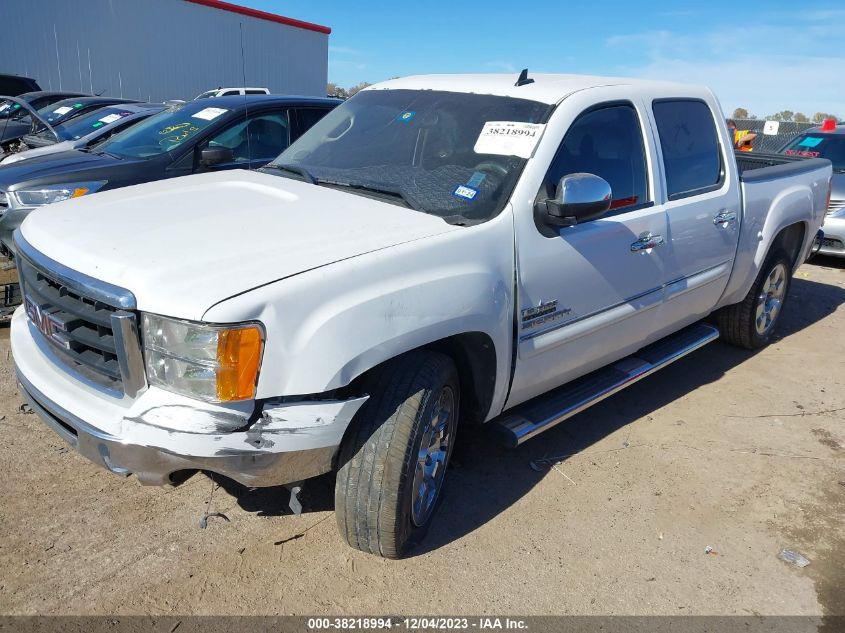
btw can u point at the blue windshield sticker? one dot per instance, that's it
(476, 179)
(465, 192)
(406, 116)
(810, 141)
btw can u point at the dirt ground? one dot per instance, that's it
(736, 451)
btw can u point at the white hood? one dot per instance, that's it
(182, 245)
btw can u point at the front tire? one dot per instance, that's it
(394, 457)
(751, 323)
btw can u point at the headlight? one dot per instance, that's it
(54, 193)
(216, 363)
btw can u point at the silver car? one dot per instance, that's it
(827, 141)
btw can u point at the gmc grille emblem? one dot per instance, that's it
(48, 322)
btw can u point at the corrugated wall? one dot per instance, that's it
(156, 49)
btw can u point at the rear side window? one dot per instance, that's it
(690, 146)
(607, 142)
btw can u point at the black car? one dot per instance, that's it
(54, 112)
(14, 85)
(198, 136)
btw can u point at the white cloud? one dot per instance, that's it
(763, 67)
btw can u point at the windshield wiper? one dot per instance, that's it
(295, 169)
(391, 193)
(103, 152)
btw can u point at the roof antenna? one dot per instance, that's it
(523, 78)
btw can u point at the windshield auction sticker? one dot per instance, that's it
(111, 118)
(209, 114)
(509, 138)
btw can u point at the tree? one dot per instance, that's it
(333, 90)
(740, 113)
(358, 87)
(800, 117)
(819, 117)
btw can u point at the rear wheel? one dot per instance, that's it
(752, 322)
(393, 460)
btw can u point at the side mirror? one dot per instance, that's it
(215, 156)
(579, 198)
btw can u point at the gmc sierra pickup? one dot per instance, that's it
(437, 251)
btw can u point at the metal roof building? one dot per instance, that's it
(161, 49)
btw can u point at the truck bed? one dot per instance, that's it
(755, 167)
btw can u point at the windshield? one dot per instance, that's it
(162, 132)
(8, 110)
(819, 145)
(85, 124)
(55, 113)
(449, 154)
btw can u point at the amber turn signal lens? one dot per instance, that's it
(238, 359)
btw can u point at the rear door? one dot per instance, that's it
(587, 294)
(702, 205)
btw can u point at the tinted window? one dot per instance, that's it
(307, 118)
(819, 145)
(690, 146)
(608, 143)
(262, 137)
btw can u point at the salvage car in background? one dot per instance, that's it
(230, 92)
(827, 141)
(53, 114)
(207, 135)
(84, 131)
(14, 85)
(17, 113)
(436, 251)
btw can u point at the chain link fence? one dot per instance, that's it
(770, 143)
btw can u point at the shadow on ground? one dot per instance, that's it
(485, 479)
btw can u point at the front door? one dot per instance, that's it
(588, 294)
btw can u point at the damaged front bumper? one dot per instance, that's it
(159, 433)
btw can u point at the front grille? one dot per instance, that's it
(831, 243)
(4, 203)
(835, 206)
(77, 326)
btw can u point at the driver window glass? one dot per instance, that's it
(608, 143)
(261, 137)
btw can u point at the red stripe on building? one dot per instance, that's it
(262, 15)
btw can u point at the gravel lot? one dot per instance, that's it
(730, 450)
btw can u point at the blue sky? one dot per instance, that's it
(763, 56)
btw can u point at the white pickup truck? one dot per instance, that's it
(437, 251)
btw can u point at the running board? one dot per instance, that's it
(543, 412)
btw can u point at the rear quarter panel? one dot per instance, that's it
(769, 206)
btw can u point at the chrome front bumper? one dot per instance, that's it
(159, 434)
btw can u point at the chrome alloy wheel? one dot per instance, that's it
(770, 299)
(437, 438)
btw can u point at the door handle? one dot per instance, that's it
(724, 218)
(646, 242)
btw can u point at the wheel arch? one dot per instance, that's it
(474, 355)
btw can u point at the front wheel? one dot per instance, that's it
(752, 322)
(394, 457)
